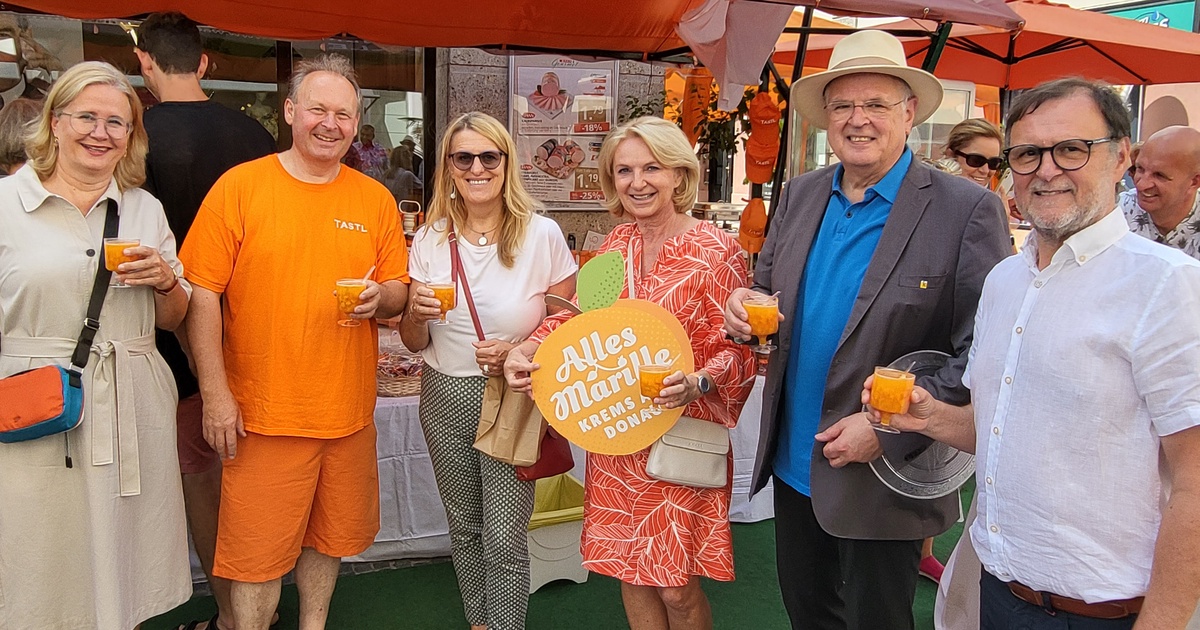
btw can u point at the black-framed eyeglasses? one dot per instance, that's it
(85, 123)
(1068, 155)
(974, 160)
(463, 161)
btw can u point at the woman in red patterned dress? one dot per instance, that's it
(657, 537)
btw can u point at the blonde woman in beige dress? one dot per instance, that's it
(102, 544)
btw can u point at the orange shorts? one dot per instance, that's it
(283, 493)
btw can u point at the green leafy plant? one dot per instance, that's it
(638, 105)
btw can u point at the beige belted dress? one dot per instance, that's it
(102, 544)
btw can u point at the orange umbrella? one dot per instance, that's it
(1056, 41)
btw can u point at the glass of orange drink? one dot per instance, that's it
(446, 295)
(890, 394)
(349, 292)
(114, 255)
(651, 379)
(762, 313)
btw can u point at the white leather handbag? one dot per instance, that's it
(693, 453)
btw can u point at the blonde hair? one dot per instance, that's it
(519, 205)
(964, 132)
(42, 146)
(670, 149)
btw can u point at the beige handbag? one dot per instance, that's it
(693, 453)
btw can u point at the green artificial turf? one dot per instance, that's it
(426, 597)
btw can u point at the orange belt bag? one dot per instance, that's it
(48, 400)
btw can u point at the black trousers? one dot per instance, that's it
(831, 583)
(999, 609)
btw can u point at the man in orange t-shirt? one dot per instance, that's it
(287, 390)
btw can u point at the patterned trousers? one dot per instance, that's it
(487, 507)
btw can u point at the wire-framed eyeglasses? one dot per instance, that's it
(86, 122)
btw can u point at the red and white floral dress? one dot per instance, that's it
(635, 528)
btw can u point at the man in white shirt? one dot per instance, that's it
(1085, 392)
(1164, 206)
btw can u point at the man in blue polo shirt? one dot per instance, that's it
(873, 258)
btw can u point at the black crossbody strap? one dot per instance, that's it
(91, 323)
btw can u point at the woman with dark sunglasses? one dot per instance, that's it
(511, 257)
(975, 144)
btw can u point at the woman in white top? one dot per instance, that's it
(102, 544)
(511, 258)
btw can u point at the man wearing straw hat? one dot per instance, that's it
(873, 258)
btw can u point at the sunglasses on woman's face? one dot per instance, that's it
(974, 160)
(463, 161)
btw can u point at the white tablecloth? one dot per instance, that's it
(412, 522)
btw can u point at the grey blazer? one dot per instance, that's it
(943, 236)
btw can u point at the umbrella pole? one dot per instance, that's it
(785, 94)
(935, 49)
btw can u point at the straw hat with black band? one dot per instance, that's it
(869, 51)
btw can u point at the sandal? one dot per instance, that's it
(212, 624)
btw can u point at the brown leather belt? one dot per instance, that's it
(1118, 609)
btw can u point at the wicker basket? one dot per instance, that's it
(396, 387)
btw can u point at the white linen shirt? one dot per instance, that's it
(1076, 372)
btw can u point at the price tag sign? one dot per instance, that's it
(592, 127)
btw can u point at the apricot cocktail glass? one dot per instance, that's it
(114, 255)
(445, 294)
(890, 394)
(349, 290)
(651, 379)
(762, 313)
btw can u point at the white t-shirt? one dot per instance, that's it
(510, 302)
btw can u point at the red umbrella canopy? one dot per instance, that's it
(1056, 41)
(986, 12)
(616, 25)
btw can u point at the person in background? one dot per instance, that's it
(289, 394)
(368, 156)
(1085, 406)
(102, 544)
(15, 120)
(399, 178)
(193, 141)
(656, 537)
(417, 162)
(1164, 205)
(512, 257)
(873, 258)
(975, 144)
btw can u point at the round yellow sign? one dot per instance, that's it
(589, 384)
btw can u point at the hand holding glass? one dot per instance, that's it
(349, 292)
(891, 393)
(762, 313)
(446, 295)
(651, 380)
(114, 255)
